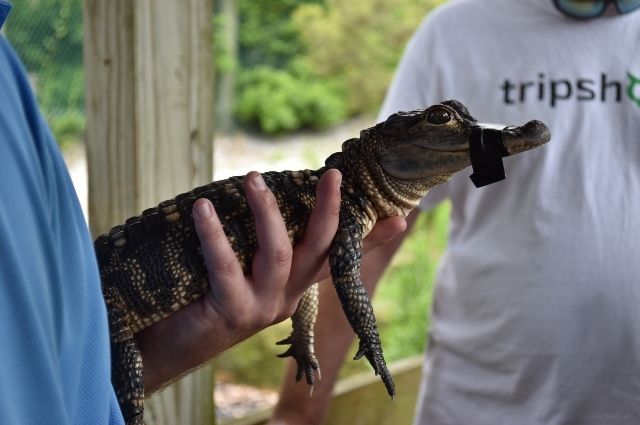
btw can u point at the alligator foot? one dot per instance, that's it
(301, 338)
(373, 353)
(306, 361)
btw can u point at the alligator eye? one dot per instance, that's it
(438, 116)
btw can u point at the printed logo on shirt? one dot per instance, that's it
(633, 89)
(602, 89)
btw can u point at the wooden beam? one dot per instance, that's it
(149, 76)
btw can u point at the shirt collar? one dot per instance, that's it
(5, 7)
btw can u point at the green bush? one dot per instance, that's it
(47, 34)
(68, 127)
(276, 100)
(266, 33)
(61, 89)
(359, 42)
(275, 91)
(349, 51)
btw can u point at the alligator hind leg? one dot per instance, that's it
(345, 259)
(302, 336)
(126, 363)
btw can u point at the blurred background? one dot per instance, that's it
(293, 80)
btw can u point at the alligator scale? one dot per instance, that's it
(151, 266)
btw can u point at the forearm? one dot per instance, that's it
(182, 342)
(333, 337)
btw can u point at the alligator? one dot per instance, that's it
(152, 265)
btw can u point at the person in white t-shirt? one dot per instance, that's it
(536, 316)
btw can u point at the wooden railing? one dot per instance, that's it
(363, 400)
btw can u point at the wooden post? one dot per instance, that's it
(149, 75)
(227, 42)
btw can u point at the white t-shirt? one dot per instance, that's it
(536, 317)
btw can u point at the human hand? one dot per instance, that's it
(280, 272)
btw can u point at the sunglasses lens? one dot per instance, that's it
(583, 8)
(626, 6)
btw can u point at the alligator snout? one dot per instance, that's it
(528, 136)
(536, 131)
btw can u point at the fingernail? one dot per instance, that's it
(203, 209)
(258, 182)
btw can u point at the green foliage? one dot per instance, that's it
(62, 91)
(267, 35)
(224, 59)
(68, 127)
(359, 42)
(47, 34)
(350, 50)
(279, 101)
(275, 91)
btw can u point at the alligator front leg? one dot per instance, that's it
(302, 336)
(345, 259)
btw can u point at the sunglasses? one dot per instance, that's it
(588, 9)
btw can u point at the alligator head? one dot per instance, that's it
(435, 143)
(417, 150)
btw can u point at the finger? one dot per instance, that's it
(384, 231)
(222, 264)
(272, 261)
(311, 252)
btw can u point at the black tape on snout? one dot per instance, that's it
(486, 150)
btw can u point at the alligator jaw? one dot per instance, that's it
(522, 138)
(488, 145)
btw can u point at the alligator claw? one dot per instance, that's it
(379, 365)
(306, 361)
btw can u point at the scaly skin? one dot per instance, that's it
(152, 265)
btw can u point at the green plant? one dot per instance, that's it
(312, 63)
(267, 36)
(68, 127)
(359, 42)
(61, 89)
(276, 101)
(47, 34)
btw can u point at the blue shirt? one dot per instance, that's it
(54, 344)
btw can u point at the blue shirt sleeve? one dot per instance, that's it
(5, 7)
(54, 349)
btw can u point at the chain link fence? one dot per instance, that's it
(47, 34)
